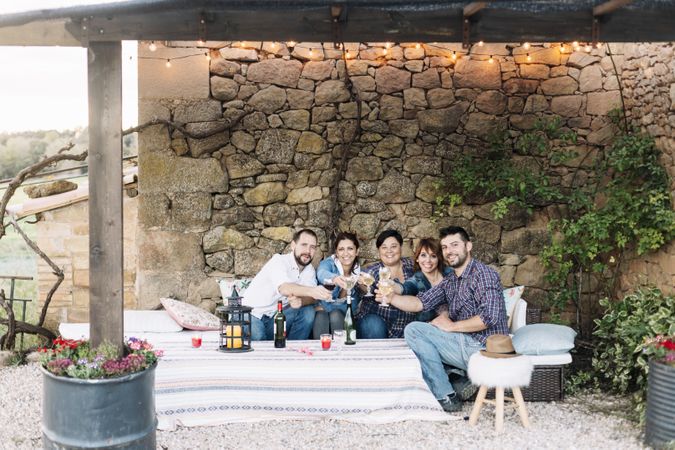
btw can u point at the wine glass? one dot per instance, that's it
(339, 338)
(385, 273)
(385, 287)
(368, 280)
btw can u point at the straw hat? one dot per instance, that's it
(499, 346)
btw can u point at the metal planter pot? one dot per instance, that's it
(111, 413)
(660, 423)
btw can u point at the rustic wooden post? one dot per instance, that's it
(106, 284)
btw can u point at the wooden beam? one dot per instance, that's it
(610, 6)
(473, 7)
(106, 284)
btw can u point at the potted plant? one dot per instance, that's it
(660, 414)
(94, 398)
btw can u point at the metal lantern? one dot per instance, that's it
(235, 325)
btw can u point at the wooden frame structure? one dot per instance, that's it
(102, 27)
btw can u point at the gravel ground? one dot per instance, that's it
(582, 422)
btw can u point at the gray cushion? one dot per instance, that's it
(543, 339)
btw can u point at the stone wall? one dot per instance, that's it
(226, 203)
(63, 234)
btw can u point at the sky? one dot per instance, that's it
(45, 88)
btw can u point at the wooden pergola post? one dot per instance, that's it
(106, 259)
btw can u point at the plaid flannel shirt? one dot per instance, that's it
(477, 292)
(395, 319)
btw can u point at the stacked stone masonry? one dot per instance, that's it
(226, 203)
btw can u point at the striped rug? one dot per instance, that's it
(375, 381)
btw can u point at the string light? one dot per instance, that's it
(348, 55)
(291, 43)
(454, 55)
(491, 60)
(387, 45)
(384, 51)
(417, 46)
(200, 43)
(168, 63)
(481, 43)
(526, 45)
(311, 52)
(273, 45)
(598, 45)
(587, 48)
(152, 47)
(208, 57)
(575, 45)
(562, 47)
(529, 58)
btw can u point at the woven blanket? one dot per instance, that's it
(377, 381)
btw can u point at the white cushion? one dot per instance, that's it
(190, 316)
(519, 315)
(226, 285)
(551, 360)
(499, 372)
(150, 322)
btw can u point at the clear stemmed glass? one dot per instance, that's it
(368, 280)
(339, 339)
(350, 282)
(385, 287)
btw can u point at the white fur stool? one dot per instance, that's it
(499, 373)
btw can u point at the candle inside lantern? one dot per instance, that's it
(325, 341)
(233, 331)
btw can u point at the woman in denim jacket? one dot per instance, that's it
(429, 271)
(330, 315)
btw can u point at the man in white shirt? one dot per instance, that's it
(290, 278)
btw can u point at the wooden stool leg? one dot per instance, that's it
(499, 409)
(475, 412)
(522, 409)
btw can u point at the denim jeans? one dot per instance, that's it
(371, 326)
(434, 347)
(298, 324)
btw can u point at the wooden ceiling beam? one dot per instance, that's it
(610, 6)
(473, 7)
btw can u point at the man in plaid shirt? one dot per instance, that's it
(476, 310)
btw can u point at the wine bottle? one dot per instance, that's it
(279, 327)
(350, 331)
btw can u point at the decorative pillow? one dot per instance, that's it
(226, 286)
(189, 316)
(149, 322)
(511, 296)
(543, 339)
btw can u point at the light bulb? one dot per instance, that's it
(384, 51)
(417, 45)
(491, 60)
(454, 55)
(201, 42)
(291, 43)
(273, 45)
(387, 45)
(529, 58)
(598, 45)
(208, 57)
(562, 47)
(311, 52)
(481, 43)
(347, 55)
(152, 47)
(575, 44)
(168, 63)
(587, 48)
(526, 45)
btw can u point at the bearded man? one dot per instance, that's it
(476, 310)
(290, 278)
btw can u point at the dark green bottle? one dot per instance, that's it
(279, 327)
(350, 331)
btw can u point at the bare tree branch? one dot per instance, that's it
(56, 269)
(7, 340)
(224, 125)
(25, 327)
(31, 170)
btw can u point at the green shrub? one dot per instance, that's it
(618, 359)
